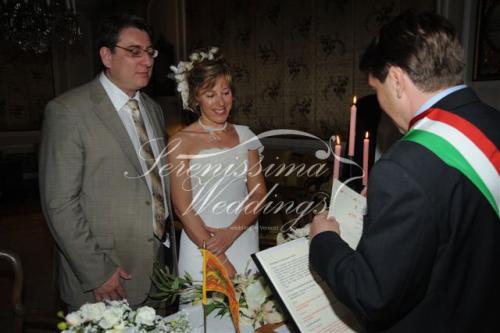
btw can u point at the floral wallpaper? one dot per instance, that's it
(295, 61)
(26, 85)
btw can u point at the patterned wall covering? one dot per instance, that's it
(26, 85)
(295, 61)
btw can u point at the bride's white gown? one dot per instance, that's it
(219, 189)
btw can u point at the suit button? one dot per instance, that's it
(148, 203)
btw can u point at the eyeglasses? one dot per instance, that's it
(137, 52)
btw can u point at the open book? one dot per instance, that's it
(306, 299)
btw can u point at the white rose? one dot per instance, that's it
(214, 50)
(174, 69)
(194, 57)
(184, 66)
(92, 312)
(301, 232)
(145, 315)
(185, 97)
(182, 86)
(271, 314)
(255, 294)
(280, 239)
(74, 319)
(122, 329)
(248, 316)
(273, 317)
(111, 317)
(123, 304)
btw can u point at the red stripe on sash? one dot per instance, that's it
(418, 117)
(467, 128)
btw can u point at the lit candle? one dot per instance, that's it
(352, 127)
(366, 147)
(336, 159)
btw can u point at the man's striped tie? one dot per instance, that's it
(146, 153)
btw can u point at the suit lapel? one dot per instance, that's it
(106, 112)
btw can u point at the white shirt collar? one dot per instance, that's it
(117, 96)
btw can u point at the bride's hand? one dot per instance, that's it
(221, 240)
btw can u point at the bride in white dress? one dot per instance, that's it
(217, 187)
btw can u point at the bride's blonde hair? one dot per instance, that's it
(204, 74)
(200, 72)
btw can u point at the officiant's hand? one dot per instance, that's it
(221, 240)
(322, 223)
(112, 288)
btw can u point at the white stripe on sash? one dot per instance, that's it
(472, 154)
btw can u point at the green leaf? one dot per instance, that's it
(210, 307)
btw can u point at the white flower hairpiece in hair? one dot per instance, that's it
(180, 73)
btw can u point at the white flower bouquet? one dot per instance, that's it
(118, 317)
(257, 305)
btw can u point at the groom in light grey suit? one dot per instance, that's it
(96, 183)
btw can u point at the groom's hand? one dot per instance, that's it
(112, 288)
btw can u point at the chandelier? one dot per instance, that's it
(34, 25)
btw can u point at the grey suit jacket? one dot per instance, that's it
(97, 208)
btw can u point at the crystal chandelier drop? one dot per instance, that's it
(34, 25)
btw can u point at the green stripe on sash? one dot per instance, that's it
(452, 157)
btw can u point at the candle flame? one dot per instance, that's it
(366, 135)
(338, 139)
(354, 99)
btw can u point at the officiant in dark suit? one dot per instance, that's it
(428, 256)
(104, 198)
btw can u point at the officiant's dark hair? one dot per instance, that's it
(425, 45)
(110, 27)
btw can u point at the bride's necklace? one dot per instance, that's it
(212, 130)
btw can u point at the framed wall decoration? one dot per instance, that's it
(487, 48)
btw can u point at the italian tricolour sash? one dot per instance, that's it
(462, 146)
